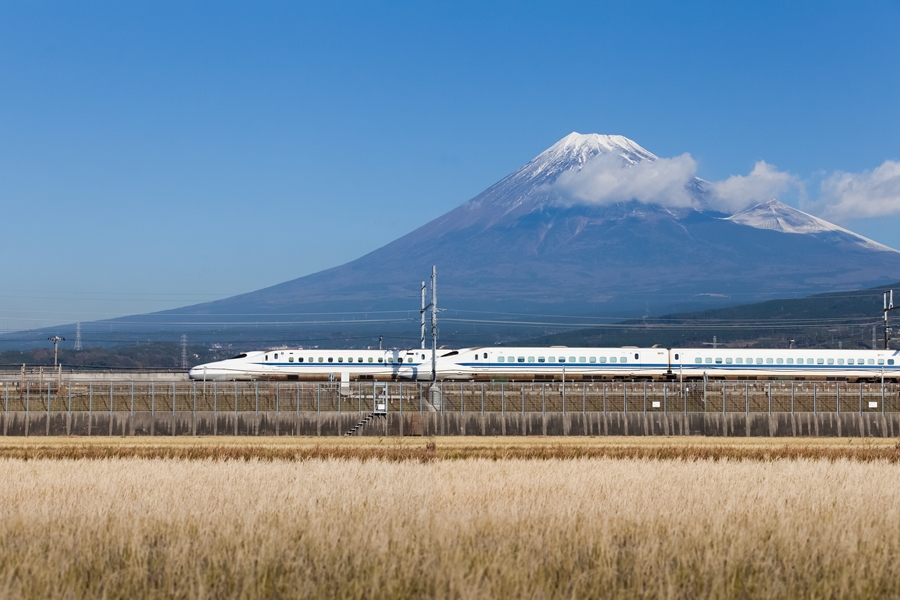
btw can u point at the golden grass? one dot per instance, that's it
(474, 528)
(451, 448)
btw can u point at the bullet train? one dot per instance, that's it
(555, 364)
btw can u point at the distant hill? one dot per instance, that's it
(819, 321)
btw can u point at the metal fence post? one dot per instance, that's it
(747, 399)
(7, 395)
(792, 397)
(111, 399)
(838, 387)
(502, 399)
(645, 396)
(152, 398)
(482, 399)
(48, 400)
(860, 396)
(543, 400)
(256, 392)
(194, 385)
(27, 397)
(665, 397)
(462, 398)
(724, 398)
(625, 397)
(815, 397)
(523, 397)
(91, 397)
(132, 398)
(770, 398)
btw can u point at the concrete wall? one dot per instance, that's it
(867, 424)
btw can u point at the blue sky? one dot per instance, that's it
(158, 154)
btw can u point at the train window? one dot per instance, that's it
(769, 361)
(320, 359)
(840, 361)
(708, 360)
(370, 359)
(582, 359)
(476, 356)
(501, 359)
(880, 361)
(830, 361)
(759, 361)
(623, 360)
(541, 359)
(551, 359)
(698, 360)
(871, 362)
(267, 357)
(340, 359)
(530, 359)
(612, 359)
(676, 357)
(820, 361)
(602, 359)
(592, 359)
(275, 356)
(780, 361)
(728, 361)
(749, 361)
(380, 360)
(571, 359)
(636, 356)
(299, 359)
(739, 361)
(359, 359)
(521, 359)
(330, 359)
(290, 359)
(790, 361)
(562, 359)
(390, 359)
(850, 361)
(718, 360)
(485, 355)
(890, 361)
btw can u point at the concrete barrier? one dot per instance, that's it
(208, 423)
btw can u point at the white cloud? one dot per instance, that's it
(609, 179)
(764, 183)
(873, 193)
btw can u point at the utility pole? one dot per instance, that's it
(433, 323)
(422, 314)
(888, 306)
(56, 340)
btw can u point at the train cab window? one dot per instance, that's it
(501, 359)
(290, 359)
(780, 361)
(769, 361)
(718, 360)
(830, 361)
(728, 361)
(267, 357)
(612, 359)
(739, 361)
(623, 359)
(541, 359)
(871, 362)
(790, 361)
(409, 359)
(521, 359)
(582, 359)
(698, 360)
(820, 361)
(880, 361)
(709, 360)
(531, 359)
(592, 359)
(602, 359)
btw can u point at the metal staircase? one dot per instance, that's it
(363, 422)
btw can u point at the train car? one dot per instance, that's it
(298, 364)
(556, 363)
(735, 363)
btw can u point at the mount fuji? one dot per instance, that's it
(523, 245)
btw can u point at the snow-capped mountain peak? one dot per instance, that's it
(777, 216)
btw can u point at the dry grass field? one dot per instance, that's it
(275, 518)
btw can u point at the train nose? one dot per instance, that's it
(205, 373)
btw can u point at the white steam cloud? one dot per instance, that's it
(671, 182)
(873, 193)
(609, 178)
(764, 183)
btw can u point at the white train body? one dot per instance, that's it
(555, 364)
(317, 365)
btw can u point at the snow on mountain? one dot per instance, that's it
(777, 216)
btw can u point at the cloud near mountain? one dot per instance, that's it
(672, 182)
